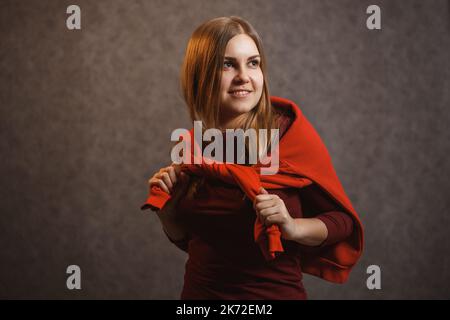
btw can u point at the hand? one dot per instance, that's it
(173, 181)
(270, 209)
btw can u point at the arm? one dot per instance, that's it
(308, 231)
(172, 181)
(323, 225)
(271, 209)
(339, 225)
(316, 203)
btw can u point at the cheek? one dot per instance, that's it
(225, 84)
(259, 80)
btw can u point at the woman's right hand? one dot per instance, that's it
(173, 181)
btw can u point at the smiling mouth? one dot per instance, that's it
(240, 93)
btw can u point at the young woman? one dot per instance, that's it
(251, 236)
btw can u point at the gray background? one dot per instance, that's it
(86, 117)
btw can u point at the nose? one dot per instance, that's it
(242, 75)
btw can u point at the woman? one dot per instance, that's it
(250, 236)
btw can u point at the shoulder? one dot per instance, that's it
(283, 119)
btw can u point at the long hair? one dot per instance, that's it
(201, 75)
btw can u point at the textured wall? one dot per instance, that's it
(86, 117)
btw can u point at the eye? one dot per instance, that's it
(227, 64)
(254, 63)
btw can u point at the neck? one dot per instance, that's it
(232, 122)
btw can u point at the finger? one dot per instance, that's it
(264, 216)
(163, 186)
(165, 177)
(264, 197)
(263, 191)
(153, 181)
(269, 211)
(265, 204)
(172, 175)
(273, 219)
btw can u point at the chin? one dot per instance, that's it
(240, 107)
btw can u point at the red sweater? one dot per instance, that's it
(236, 269)
(305, 165)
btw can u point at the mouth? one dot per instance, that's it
(240, 93)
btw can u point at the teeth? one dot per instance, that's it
(240, 93)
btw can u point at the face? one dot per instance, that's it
(242, 80)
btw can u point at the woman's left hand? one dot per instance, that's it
(270, 209)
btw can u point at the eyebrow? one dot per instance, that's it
(252, 57)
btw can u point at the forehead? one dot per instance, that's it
(241, 46)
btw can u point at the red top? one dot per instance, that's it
(236, 268)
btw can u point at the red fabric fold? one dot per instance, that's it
(304, 160)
